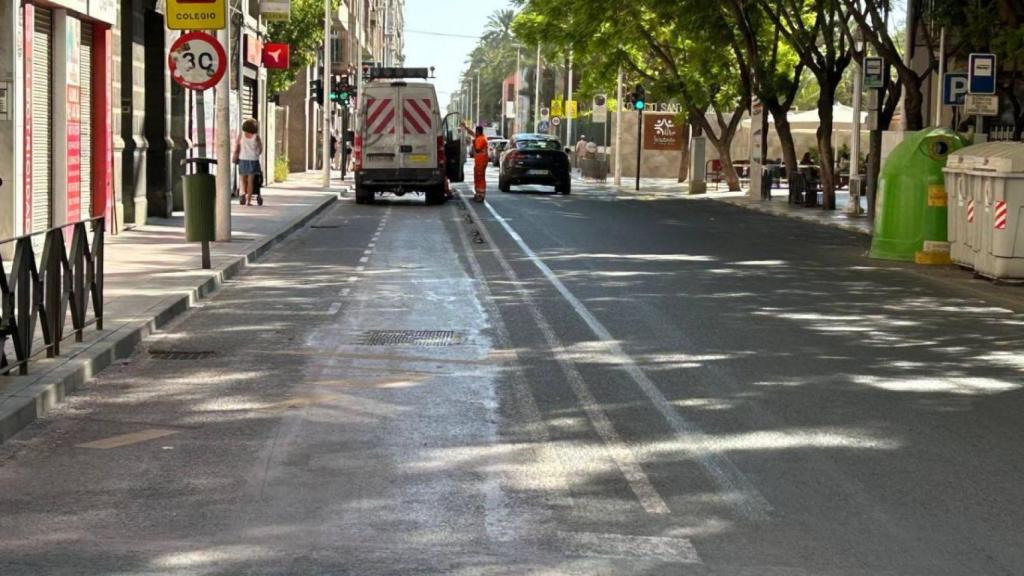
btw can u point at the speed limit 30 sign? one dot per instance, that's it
(197, 61)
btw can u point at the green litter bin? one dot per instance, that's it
(200, 191)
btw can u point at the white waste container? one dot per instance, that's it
(964, 200)
(1000, 178)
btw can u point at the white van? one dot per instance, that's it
(401, 143)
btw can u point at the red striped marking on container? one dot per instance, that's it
(1000, 215)
(970, 211)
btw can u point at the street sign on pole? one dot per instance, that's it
(954, 88)
(873, 76)
(981, 105)
(545, 114)
(556, 121)
(196, 14)
(197, 61)
(556, 107)
(571, 109)
(600, 109)
(981, 71)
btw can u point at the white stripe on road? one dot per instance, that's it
(617, 450)
(726, 476)
(364, 259)
(625, 546)
(334, 309)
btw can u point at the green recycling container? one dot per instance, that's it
(911, 214)
(200, 192)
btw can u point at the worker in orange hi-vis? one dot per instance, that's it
(480, 161)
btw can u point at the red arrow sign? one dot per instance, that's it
(276, 56)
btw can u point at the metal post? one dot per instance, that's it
(222, 124)
(515, 103)
(478, 118)
(858, 78)
(941, 77)
(639, 143)
(568, 119)
(536, 99)
(327, 76)
(618, 131)
(206, 254)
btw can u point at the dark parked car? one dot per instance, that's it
(535, 159)
(494, 149)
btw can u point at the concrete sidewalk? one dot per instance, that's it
(152, 276)
(778, 206)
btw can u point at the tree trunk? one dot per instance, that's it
(913, 116)
(684, 154)
(785, 133)
(725, 157)
(874, 168)
(826, 157)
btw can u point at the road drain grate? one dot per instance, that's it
(410, 337)
(182, 354)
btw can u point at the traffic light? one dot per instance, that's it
(316, 90)
(339, 89)
(640, 98)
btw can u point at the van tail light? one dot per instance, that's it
(357, 152)
(440, 152)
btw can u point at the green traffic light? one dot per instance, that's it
(640, 104)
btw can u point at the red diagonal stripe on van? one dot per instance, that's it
(413, 116)
(378, 114)
(385, 123)
(421, 108)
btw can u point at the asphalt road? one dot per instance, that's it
(598, 383)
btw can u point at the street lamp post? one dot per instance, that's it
(515, 101)
(536, 99)
(325, 92)
(477, 123)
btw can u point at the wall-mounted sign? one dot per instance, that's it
(253, 50)
(661, 132)
(104, 11)
(197, 61)
(276, 56)
(276, 10)
(196, 14)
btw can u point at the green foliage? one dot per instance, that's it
(304, 34)
(281, 171)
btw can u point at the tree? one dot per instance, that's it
(304, 34)
(819, 32)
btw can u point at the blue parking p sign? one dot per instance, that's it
(954, 89)
(981, 73)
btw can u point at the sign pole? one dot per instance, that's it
(326, 102)
(639, 144)
(222, 125)
(940, 80)
(618, 131)
(536, 98)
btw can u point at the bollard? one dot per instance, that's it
(200, 192)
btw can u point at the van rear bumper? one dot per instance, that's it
(400, 179)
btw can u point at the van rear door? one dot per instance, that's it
(380, 130)
(419, 126)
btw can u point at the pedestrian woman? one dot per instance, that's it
(480, 161)
(247, 152)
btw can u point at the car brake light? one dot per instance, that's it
(357, 152)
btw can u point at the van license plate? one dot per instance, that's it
(419, 158)
(538, 172)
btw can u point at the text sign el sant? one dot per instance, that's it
(197, 61)
(981, 72)
(196, 14)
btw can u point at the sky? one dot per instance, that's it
(427, 20)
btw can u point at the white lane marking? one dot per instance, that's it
(344, 292)
(364, 260)
(352, 278)
(748, 501)
(360, 268)
(128, 439)
(372, 245)
(617, 450)
(367, 252)
(625, 546)
(334, 308)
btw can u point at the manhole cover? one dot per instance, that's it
(410, 337)
(182, 354)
